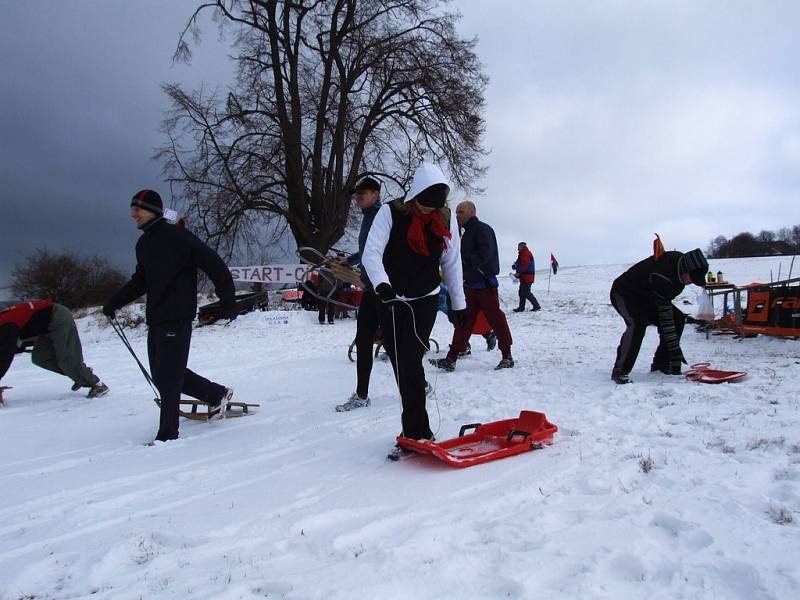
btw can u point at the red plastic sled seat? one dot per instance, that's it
(701, 373)
(489, 441)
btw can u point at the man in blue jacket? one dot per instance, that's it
(481, 265)
(367, 194)
(167, 259)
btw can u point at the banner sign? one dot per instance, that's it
(270, 273)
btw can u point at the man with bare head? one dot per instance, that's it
(481, 265)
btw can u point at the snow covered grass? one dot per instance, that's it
(659, 489)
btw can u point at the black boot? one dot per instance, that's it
(618, 376)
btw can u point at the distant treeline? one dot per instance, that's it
(785, 241)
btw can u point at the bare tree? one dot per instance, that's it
(765, 235)
(326, 91)
(71, 280)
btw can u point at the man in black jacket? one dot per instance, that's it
(368, 198)
(643, 296)
(167, 259)
(481, 265)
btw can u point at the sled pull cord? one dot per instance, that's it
(118, 330)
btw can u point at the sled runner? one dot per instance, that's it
(701, 373)
(234, 409)
(490, 441)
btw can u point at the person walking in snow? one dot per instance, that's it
(480, 265)
(643, 296)
(50, 329)
(410, 240)
(525, 273)
(367, 195)
(167, 259)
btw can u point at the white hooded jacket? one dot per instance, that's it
(426, 175)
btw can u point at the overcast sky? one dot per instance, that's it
(606, 121)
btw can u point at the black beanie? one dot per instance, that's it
(434, 196)
(148, 200)
(696, 265)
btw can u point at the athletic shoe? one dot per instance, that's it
(398, 453)
(506, 363)
(330, 321)
(535, 308)
(217, 411)
(491, 341)
(98, 390)
(518, 309)
(355, 401)
(443, 363)
(466, 351)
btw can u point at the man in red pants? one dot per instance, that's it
(479, 259)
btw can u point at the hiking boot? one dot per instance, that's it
(491, 341)
(355, 401)
(666, 368)
(98, 390)
(620, 377)
(506, 363)
(76, 386)
(217, 411)
(443, 363)
(535, 308)
(466, 351)
(518, 309)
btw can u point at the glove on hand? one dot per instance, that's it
(385, 292)
(109, 311)
(460, 318)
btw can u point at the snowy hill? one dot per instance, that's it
(298, 501)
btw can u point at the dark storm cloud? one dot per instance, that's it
(81, 111)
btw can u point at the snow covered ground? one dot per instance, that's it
(298, 501)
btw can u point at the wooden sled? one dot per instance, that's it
(701, 373)
(490, 441)
(234, 409)
(2, 389)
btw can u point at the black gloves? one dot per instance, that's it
(385, 292)
(460, 318)
(109, 310)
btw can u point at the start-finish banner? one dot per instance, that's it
(270, 273)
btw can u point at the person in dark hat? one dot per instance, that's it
(410, 240)
(367, 195)
(167, 259)
(643, 296)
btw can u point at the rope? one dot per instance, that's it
(115, 325)
(427, 349)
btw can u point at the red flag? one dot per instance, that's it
(658, 248)
(553, 263)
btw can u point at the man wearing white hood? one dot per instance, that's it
(410, 240)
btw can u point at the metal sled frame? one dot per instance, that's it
(316, 262)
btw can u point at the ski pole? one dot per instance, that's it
(118, 330)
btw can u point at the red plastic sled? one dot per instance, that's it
(490, 441)
(701, 373)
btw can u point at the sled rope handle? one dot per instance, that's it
(115, 325)
(427, 349)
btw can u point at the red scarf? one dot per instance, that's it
(416, 231)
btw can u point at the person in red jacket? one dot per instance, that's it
(50, 329)
(525, 272)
